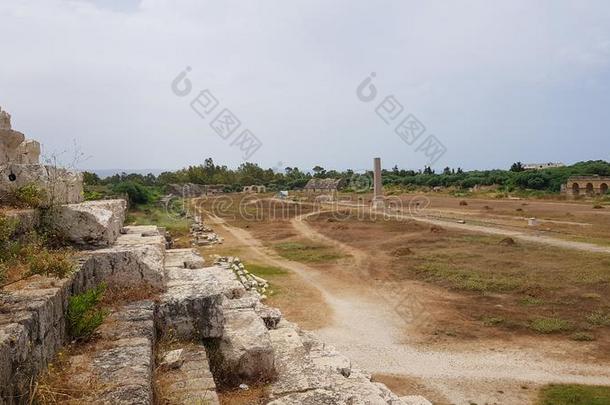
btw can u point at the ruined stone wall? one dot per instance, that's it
(20, 166)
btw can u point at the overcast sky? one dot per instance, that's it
(493, 81)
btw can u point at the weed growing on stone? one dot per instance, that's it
(28, 196)
(84, 315)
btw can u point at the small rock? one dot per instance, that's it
(172, 359)
(244, 387)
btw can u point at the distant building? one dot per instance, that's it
(542, 166)
(587, 185)
(323, 185)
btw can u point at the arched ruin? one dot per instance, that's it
(590, 185)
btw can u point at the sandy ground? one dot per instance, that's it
(366, 327)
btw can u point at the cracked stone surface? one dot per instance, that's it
(132, 260)
(191, 383)
(89, 224)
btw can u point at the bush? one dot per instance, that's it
(136, 192)
(50, 263)
(29, 196)
(84, 316)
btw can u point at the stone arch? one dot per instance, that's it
(575, 189)
(603, 188)
(590, 189)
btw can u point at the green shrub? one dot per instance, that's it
(51, 263)
(136, 192)
(84, 315)
(29, 196)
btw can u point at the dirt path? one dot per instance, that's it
(366, 328)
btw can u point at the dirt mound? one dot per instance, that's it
(507, 242)
(402, 251)
(437, 229)
(463, 202)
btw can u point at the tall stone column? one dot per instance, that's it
(377, 185)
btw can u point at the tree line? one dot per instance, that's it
(291, 178)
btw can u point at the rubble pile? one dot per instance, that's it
(203, 235)
(251, 282)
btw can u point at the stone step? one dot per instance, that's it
(188, 381)
(117, 366)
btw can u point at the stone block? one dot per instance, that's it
(245, 347)
(89, 224)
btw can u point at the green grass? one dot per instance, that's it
(152, 215)
(300, 252)
(574, 395)
(264, 270)
(550, 325)
(463, 279)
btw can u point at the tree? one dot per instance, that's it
(91, 179)
(319, 171)
(447, 170)
(517, 167)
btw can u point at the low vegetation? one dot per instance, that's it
(30, 253)
(307, 252)
(84, 314)
(574, 395)
(551, 325)
(28, 196)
